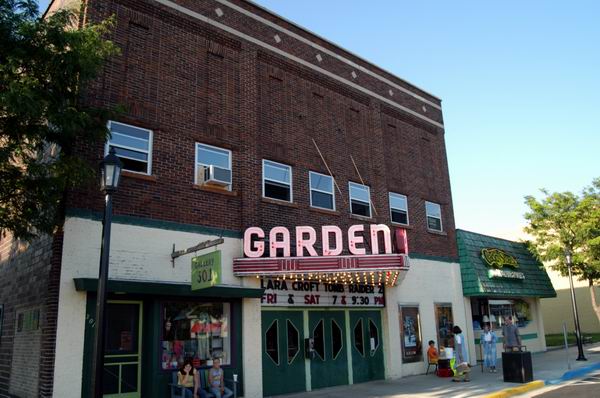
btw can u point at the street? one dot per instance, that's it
(588, 387)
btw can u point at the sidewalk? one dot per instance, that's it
(546, 366)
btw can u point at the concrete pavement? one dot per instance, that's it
(546, 366)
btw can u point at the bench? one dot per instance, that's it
(178, 391)
(586, 339)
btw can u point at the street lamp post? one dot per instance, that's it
(580, 355)
(110, 170)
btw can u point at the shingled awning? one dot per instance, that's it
(475, 272)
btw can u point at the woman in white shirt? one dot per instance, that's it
(488, 344)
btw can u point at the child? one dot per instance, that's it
(432, 354)
(216, 381)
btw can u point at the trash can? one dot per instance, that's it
(516, 367)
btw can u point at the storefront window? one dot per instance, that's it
(518, 309)
(410, 326)
(195, 330)
(445, 322)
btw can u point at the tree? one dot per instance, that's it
(45, 67)
(563, 221)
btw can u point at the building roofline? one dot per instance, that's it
(296, 25)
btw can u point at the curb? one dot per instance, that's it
(509, 392)
(572, 374)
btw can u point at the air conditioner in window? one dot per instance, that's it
(212, 175)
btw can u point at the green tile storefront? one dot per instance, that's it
(501, 278)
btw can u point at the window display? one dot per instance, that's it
(410, 327)
(195, 330)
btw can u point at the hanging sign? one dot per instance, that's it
(206, 270)
(290, 293)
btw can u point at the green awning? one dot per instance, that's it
(476, 279)
(167, 289)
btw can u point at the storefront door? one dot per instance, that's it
(367, 350)
(123, 349)
(283, 352)
(329, 367)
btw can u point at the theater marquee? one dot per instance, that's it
(375, 258)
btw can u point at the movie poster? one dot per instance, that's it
(411, 334)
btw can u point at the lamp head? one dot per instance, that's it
(110, 172)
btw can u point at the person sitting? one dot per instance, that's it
(432, 356)
(189, 378)
(432, 353)
(217, 382)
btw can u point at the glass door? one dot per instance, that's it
(123, 349)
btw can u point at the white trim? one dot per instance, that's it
(359, 200)
(331, 53)
(148, 152)
(196, 163)
(439, 218)
(251, 39)
(287, 324)
(278, 182)
(276, 322)
(372, 353)
(362, 331)
(334, 357)
(310, 189)
(390, 194)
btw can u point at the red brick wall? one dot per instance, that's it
(191, 82)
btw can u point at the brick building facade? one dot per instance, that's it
(237, 79)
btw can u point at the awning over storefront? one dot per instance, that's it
(167, 289)
(495, 267)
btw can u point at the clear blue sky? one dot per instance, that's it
(519, 80)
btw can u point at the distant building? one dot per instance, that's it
(558, 310)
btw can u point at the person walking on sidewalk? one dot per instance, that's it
(488, 344)
(461, 372)
(510, 332)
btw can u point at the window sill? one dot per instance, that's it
(325, 211)
(279, 202)
(405, 226)
(361, 218)
(214, 190)
(433, 231)
(138, 176)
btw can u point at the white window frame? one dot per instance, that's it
(390, 194)
(350, 183)
(440, 218)
(332, 193)
(278, 182)
(148, 152)
(197, 163)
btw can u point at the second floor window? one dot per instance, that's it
(399, 208)
(213, 166)
(321, 191)
(434, 216)
(360, 199)
(133, 146)
(277, 181)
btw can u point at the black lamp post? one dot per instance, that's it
(580, 355)
(110, 170)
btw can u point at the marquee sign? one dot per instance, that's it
(370, 261)
(296, 293)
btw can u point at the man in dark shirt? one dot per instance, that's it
(510, 332)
